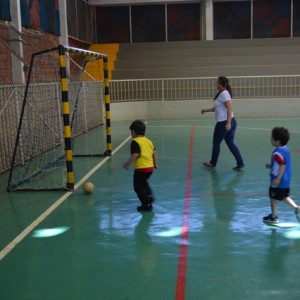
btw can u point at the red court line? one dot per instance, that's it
(230, 195)
(182, 262)
(235, 195)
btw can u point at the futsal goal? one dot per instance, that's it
(65, 113)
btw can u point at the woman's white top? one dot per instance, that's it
(220, 108)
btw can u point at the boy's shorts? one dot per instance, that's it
(278, 193)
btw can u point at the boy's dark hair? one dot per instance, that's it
(138, 127)
(281, 134)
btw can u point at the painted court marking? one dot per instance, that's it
(55, 205)
(182, 263)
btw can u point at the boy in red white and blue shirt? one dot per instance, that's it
(280, 173)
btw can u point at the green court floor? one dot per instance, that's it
(204, 240)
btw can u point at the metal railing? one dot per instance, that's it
(247, 87)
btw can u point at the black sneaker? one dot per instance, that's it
(271, 219)
(144, 207)
(238, 167)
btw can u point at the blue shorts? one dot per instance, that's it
(278, 193)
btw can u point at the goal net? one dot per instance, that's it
(63, 115)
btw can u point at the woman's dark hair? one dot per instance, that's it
(281, 134)
(138, 127)
(223, 81)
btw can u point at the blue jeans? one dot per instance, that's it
(220, 133)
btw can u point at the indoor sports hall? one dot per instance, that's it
(204, 239)
(68, 96)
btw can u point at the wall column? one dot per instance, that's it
(209, 20)
(63, 39)
(16, 43)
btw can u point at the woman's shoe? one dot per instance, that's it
(208, 165)
(238, 167)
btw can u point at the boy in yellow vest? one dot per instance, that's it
(144, 156)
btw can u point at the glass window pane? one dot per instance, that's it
(148, 23)
(183, 22)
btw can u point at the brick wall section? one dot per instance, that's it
(5, 58)
(33, 41)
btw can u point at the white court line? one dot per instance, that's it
(47, 212)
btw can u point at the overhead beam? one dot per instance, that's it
(119, 2)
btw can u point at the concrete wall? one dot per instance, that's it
(192, 109)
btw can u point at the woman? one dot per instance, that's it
(226, 125)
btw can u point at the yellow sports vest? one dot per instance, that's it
(145, 159)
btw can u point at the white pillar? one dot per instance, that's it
(209, 20)
(63, 39)
(16, 43)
